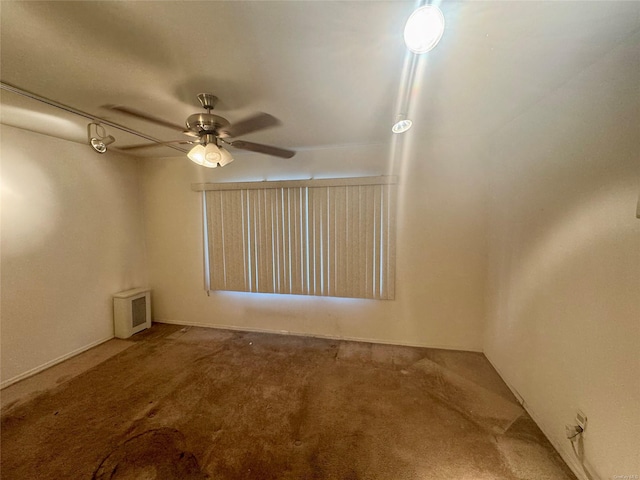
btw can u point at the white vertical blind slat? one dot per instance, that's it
(255, 221)
(295, 236)
(232, 240)
(375, 252)
(341, 254)
(369, 234)
(390, 260)
(216, 258)
(361, 243)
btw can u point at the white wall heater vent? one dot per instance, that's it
(131, 311)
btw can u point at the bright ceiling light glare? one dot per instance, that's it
(401, 126)
(424, 29)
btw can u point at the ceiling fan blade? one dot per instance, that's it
(260, 148)
(259, 121)
(144, 116)
(128, 148)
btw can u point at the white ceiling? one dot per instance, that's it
(332, 72)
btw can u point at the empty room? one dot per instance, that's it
(385, 240)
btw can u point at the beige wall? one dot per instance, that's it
(564, 282)
(71, 235)
(441, 250)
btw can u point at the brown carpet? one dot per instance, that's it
(193, 403)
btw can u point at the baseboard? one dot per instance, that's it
(44, 366)
(561, 445)
(316, 335)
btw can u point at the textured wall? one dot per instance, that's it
(564, 282)
(71, 236)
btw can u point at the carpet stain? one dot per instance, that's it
(154, 454)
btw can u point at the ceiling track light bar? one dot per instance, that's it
(12, 88)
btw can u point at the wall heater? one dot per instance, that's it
(131, 311)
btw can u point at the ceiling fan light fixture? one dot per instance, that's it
(209, 132)
(225, 157)
(424, 29)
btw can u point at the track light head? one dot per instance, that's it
(98, 138)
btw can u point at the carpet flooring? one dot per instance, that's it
(195, 403)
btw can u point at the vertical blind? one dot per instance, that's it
(330, 237)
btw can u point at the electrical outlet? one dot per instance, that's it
(581, 420)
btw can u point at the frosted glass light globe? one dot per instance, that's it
(196, 155)
(225, 157)
(212, 153)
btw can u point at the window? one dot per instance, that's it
(330, 237)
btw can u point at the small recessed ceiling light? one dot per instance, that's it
(424, 29)
(402, 125)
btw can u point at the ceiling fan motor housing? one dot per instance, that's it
(202, 123)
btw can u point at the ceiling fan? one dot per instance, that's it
(211, 133)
